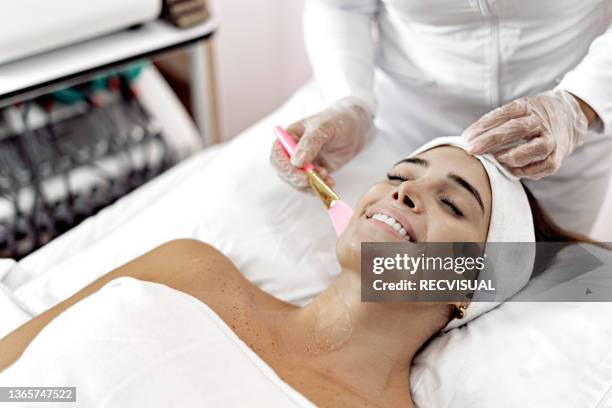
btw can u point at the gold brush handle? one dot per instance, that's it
(325, 193)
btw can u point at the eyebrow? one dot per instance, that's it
(454, 177)
(414, 160)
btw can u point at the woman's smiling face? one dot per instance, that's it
(442, 195)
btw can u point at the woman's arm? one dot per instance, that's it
(170, 264)
(338, 35)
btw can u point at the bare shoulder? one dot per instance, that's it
(191, 266)
(192, 254)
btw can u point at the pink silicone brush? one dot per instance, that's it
(339, 212)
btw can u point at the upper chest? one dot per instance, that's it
(243, 315)
(325, 392)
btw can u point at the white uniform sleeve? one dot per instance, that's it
(340, 44)
(591, 80)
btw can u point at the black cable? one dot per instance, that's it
(156, 138)
(26, 148)
(118, 187)
(20, 226)
(59, 151)
(151, 138)
(122, 147)
(62, 214)
(115, 131)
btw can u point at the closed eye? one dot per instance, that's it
(396, 177)
(452, 206)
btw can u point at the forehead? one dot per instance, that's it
(450, 159)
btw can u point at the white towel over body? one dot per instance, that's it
(141, 344)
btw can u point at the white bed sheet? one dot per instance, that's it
(235, 202)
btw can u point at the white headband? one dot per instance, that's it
(511, 221)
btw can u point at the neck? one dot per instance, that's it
(367, 346)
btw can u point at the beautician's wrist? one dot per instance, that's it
(590, 114)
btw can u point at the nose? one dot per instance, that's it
(406, 195)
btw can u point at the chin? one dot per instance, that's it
(348, 246)
(348, 249)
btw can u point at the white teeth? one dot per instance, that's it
(392, 222)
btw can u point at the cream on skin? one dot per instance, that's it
(444, 196)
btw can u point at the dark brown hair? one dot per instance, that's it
(546, 230)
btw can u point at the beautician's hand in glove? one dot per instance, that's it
(328, 140)
(533, 135)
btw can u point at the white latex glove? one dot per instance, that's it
(328, 140)
(533, 135)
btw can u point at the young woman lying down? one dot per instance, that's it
(181, 326)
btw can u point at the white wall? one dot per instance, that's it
(260, 59)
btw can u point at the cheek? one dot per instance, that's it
(348, 247)
(374, 194)
(441, 229)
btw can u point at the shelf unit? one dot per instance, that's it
(43, 73)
